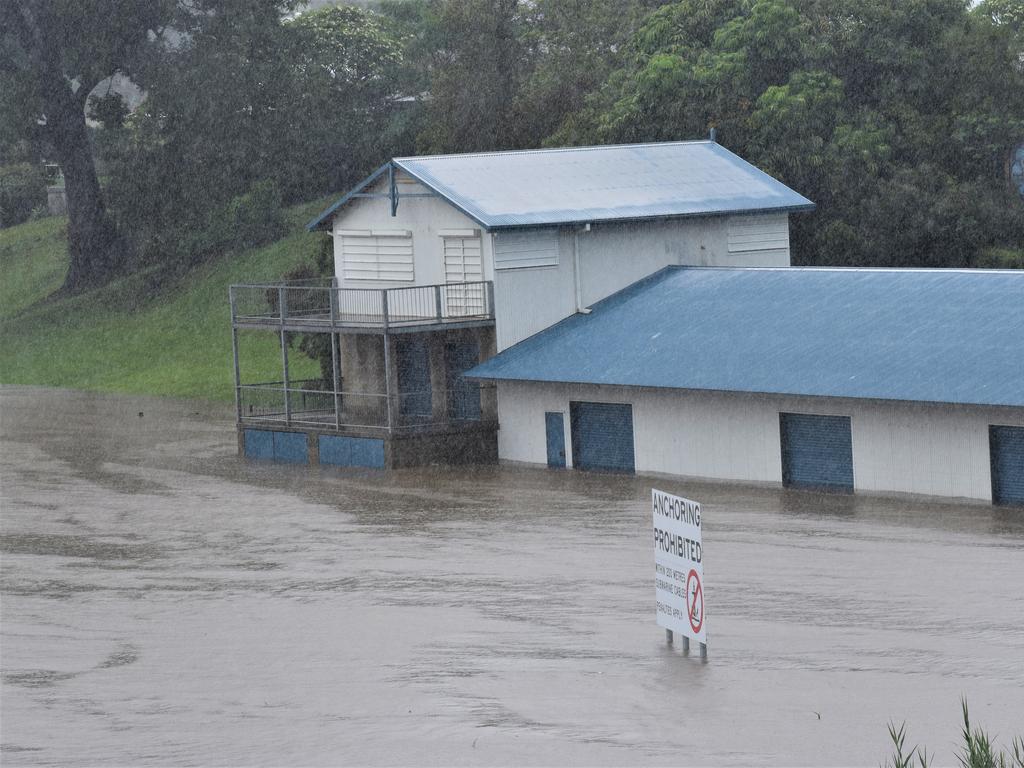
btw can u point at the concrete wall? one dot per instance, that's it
(931, 449)
(611, 257)
(425, 217)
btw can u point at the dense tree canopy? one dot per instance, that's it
(52, 54)
(897, 119)
(247, 112)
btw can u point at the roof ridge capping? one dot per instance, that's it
(833, 268)
(554, 150)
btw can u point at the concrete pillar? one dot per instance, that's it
(438, 378)
(488, 346)
(391, 379)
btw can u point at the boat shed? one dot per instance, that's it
(875, 380)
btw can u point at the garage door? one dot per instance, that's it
(1006, 445)
(817, 451)
(602, 436)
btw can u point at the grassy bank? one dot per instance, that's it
(176, 342)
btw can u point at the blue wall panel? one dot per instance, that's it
(463, 396)
(1007, 451)
(291, 447)
(817, 451)
(414, 390)
(602, 436)
(259, 444)
(554, 426)
(342, 451)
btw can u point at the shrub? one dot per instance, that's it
(22, 189)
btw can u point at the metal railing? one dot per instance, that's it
(320, 303)
(314, 403)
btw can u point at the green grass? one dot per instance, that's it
(177, 342)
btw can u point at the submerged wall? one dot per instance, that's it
(932, 449)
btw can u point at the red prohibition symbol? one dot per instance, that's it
(695, 601)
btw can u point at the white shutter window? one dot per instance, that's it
(463, 264)
(525, 249)
(380, 255)
(758, 233)
(462, 261)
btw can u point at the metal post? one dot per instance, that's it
(384, 306)
(437, 301)
(333, 294)
(392, 189)
(234, 354)
(238, 378)
(284, 364)
(387, 378)
(668, 636)
(335, 338)
(490, 298)
(281, 299)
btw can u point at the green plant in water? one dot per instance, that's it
(899, 759)
(979, 752)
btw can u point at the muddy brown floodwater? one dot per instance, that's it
(164, 602)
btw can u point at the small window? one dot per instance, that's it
(529, 248)
(758, 233)
(377, 255)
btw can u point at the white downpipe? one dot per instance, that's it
(576, 269)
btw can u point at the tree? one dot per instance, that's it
(249, 102)
(54, 52)
(896, 118)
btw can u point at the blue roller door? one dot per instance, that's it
(1006, 446)
(554, 428)
(414, 391)
(602, 436)
(817, 451)
(463, 396)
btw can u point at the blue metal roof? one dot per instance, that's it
(549, 187)
(951, 336)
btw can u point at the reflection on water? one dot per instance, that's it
(167, 603)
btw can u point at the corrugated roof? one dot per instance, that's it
(549, 187)
(951, 336)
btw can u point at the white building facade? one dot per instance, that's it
(632, 308)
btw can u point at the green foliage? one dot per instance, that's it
(22, 189)
(896, 118)
(978, 750)
(250, 103)
(907, 760)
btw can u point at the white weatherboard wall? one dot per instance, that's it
(923, 448)
(425, 217)
(613, 256)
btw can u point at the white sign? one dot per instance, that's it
(679, 565)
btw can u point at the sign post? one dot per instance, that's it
(679, 568)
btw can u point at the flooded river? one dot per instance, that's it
(164, 602)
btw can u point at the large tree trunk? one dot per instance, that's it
(97, 252)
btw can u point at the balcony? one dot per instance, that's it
(320, 306)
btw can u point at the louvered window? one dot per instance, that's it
(379, 255)
(758, 233)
